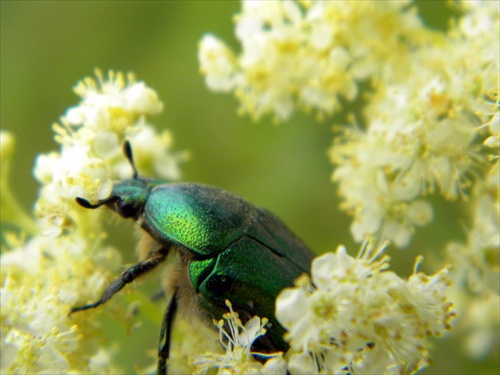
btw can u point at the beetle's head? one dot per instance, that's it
(129, 196)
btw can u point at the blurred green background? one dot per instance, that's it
(47, 46)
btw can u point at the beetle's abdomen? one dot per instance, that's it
(248, 274)
(203, 219)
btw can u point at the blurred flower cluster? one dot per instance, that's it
(429, 129)
(308, 54)
(66, 261)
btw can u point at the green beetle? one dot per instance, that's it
(229, 250)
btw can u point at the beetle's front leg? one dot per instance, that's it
(129, 275)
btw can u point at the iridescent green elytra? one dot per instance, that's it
(229, 250)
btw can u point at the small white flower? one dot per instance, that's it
(142, 99)
(420, 212)
(44, 167)
(106, 145)
(482, 323)
(113, 104)
(237, 343)
(153, 155)
(217, 62)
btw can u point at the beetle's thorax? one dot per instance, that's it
(199, 218)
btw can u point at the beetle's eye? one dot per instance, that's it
(125, 209)
(219, 285)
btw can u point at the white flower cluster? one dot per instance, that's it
(91, 136)
(433, 95)
(424, 136)
(237, 343)
(421, 133)
(41, 280)
(355, 317)
(65, 262)
(428, 130)
(307, 53)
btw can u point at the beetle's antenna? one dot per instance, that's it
(127, 150)
(86, 204)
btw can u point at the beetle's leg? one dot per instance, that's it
(127, 276)
(166, 334)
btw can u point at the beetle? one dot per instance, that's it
(228, 249)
